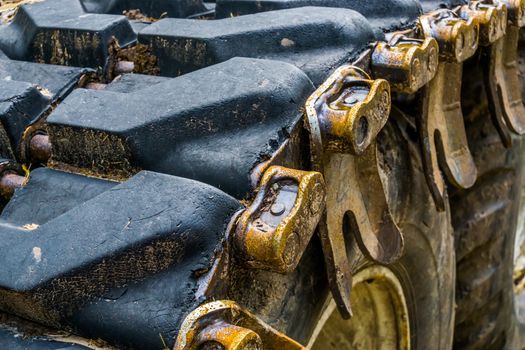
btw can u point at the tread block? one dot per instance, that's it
(52, 193)
(12, 340)
(430, 5)
(127, 83)
(316, 39)
(155, 305)
(27, 90)
(213, 125)
(21, 103)
(149, 226)
(384, 15)
(150, 8)
(58, 81)
(61, 32)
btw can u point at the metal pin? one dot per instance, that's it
(9, 182)
(123, 67)
(40, 148)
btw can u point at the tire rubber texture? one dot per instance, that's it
(426, 270)
(484, 218)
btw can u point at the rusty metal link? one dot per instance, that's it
(274, 231)
(516, 12)
(441, 125)
(353, 110)
(11, 178)
(354, 191)
(407, 63)
(500, 62)
(229, 337)
(225, 325)
(457, 38)
(491, 16)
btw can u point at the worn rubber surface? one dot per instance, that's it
(86, 244)
(485, 219)
(123, 257)
(385, 16)
(115, 236)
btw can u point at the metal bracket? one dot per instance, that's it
(407, 63)
(274, 231)
(351, 109)
(491, 17)
(502, 84)
(225, 325)
(457, 38)
(516, 12)
(348, 109)
(441, 123)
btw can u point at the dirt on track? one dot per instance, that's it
(8, 8)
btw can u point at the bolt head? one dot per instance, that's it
(351, 100)
(277, 209)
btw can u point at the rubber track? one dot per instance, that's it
(484, 220)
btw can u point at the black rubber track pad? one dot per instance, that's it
(213, 125)
(116, 261)
(386, 15)
(317, 40)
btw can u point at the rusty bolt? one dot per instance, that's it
(277, 209)
(123, 67)
(40, 147)
(9, 182)
(95, 86)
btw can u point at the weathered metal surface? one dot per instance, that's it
(516, 11)
(457, 38)
(10, 178)
(9, 183)
(406, 63)
(355, 194)
(491, 17)
(123, 67)
(40, 147)
(230, 135)
(95, 86)
(440, 124)
(501, 80)
(348, 110)
(275, 229)
(228, 336)
(226, 325)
